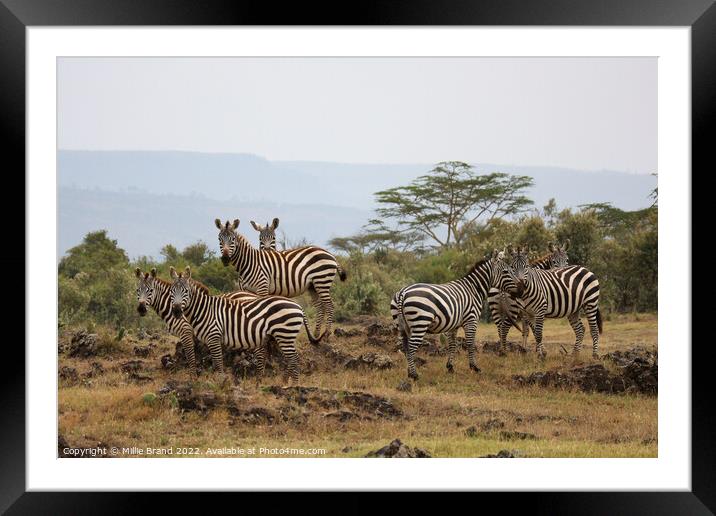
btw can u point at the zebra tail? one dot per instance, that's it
(341, 272)
(311, 338)
(599, 320)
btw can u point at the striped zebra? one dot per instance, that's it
(556, 293)
(506, 310)
(248, 324)
(287, 273)
(154, 292)
(427, 308)
(267, 234)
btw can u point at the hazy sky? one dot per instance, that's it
(586, 113)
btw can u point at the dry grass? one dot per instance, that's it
(459, 415)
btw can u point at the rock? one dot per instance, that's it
(503, 454)
(132, 366)
(68, 374)
(340, 332)
(396, 449)
(142, 351)
(96, 370)
(638, 374)
(379, 329)
(82, 344)
(370, 360)
(187, 399)
(405, 386)
(496, 349)
(342, 415)
(492, 424)
(513, 435)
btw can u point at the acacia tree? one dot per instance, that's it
(442, 204)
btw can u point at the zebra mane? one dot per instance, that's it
(199, 285)
(540, 259)
(162, 282)
(478, 264)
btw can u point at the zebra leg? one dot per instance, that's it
(537, 326)
(414, 342)
(318, 305)
(260, 355)
(288, 350)
(503, 329)
(451, 350)
(217, 353)
(470, 331)
(187, 343)
(327, 302)
(578, 328)
(594, 330)
(525, 331)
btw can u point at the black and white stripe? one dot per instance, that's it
(556, 293)
(248, 324)
(427, 308)
(286, 273)
(506, 310)
(154, 292)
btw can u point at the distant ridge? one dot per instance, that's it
(244, 184)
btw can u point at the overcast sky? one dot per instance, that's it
(586, 113)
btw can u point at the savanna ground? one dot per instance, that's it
(122, 395)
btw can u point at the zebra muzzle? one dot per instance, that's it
(142, 309)
(176, 311)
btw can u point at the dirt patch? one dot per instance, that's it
(396, 449)
(639, 374)
(185, 398)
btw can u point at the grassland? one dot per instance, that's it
(459, 415)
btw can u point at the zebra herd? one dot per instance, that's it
(515, 289)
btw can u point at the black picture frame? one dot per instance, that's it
(16, 15)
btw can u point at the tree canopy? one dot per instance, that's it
(442, 204)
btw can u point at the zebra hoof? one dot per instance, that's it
(474, 368)
(413, 376)
(450, 368)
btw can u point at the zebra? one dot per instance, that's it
(428, 308)
(505, 309)
(287, 273)
(267, 234)
(154, 291)
(556, 293)
(248, 324)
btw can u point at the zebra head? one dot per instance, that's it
(559, 256)
(501, 276)
(519, 263)
(180, 291)
(227, 239)
(145, 290)
(267, 234)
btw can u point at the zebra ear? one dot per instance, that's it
(173, 272)
(153, 272)
(255, 226)
(236, 223)
(187, 272)
(138, 272)
(566, 245)
(275, 223)
(218, 223)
